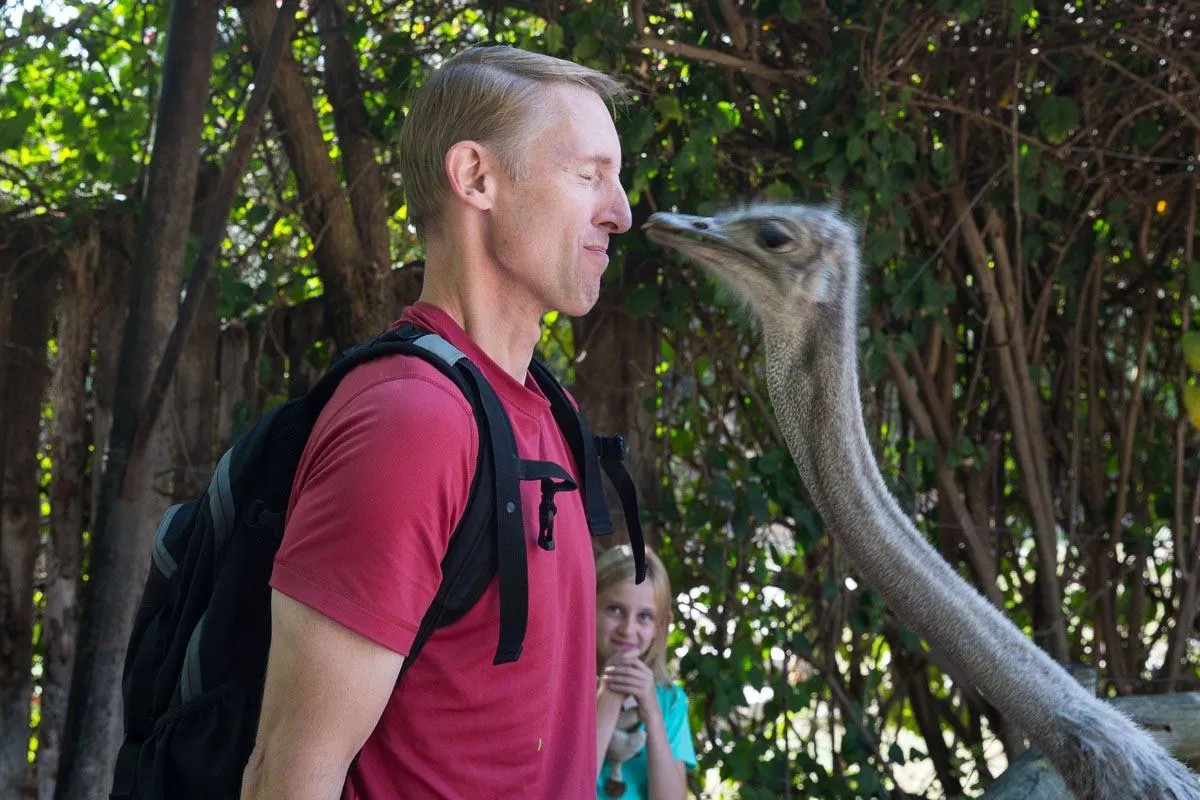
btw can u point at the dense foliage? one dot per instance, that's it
(1025, 178)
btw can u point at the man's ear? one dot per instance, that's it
(470, 170)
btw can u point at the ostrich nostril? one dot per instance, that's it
(700, 226)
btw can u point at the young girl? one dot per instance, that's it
(631, 653)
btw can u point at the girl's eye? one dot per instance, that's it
(646, 616)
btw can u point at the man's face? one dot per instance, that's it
(550, 230)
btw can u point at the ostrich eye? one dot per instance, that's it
(772, 236)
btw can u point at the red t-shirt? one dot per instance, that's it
(381, 486)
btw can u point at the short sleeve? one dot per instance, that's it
(381, 486)
(679, 729)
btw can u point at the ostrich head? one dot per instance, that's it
(782, 260)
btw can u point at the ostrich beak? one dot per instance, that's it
(680, 230)
(700, 238)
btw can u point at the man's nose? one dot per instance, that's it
(616, 216)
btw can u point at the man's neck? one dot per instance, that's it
(496, 320)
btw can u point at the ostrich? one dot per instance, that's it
(797, 268)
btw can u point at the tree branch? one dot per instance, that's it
(978, 552)
(1028, 446)
(694, 53)
(352, 285)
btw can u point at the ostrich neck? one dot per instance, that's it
(813, 384)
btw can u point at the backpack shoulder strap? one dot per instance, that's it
(583, 447)
(495, 493)
(593, 453)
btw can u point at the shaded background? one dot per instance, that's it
(1025, 178)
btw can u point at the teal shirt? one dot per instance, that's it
(673, 703)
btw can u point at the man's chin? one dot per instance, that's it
(580, 307)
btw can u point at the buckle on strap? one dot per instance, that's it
(554, 480)
(613, 446)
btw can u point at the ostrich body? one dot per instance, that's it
(797, 267)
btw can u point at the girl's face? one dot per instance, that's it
(627, 620)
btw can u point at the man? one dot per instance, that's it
(510, 162)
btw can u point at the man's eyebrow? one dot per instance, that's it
(598, 159)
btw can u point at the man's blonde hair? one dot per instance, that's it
(615, 566)
(494, 95)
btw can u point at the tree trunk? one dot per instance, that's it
(14, 635)
(69, 439)
(233, 364)
(188, 407)
(364, 179)
(112, 308)
(124, 523)
(27, 281)
(355, 287)
(298, 329)
(189, 411)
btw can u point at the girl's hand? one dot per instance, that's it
(606, 678)
(631, 677)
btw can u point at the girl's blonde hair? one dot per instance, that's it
(614, 567)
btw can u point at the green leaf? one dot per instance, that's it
(771, 461)
(873, 121)
(1191, 403)
(855, 147)
(257, 214)
(875, 174)
(822, 150)
(1052, 187)
(1057, 116)
(905, 149)
(13, 129)
(1019, 11)
(942, 160)
(667, 106)
(1191, 350)
(1193, 278)
(801, 644)
(1145, 132)
(778, 192)
(1029, 198)
(757, 503)
(727, 118)
(639, 130)
(642, 300)
(587, 47)
(792, 10)
(683, 441)
(835, 172)
(970, 9)
(553, 37)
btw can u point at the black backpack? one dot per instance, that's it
(196, 661)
